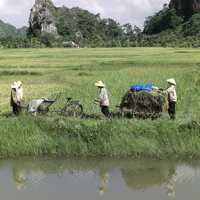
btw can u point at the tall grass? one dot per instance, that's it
(58, 136)
(73, 72)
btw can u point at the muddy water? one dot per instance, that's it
(97, 179)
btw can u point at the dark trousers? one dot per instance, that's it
(172, 110)
(105, 111)
(16, 108)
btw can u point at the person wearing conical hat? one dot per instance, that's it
(16, 97)
(172, 98)
(103, 99)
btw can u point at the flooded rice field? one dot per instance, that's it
(97, 179)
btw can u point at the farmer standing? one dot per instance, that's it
(16, 97)
(103, 99)
(172, 98)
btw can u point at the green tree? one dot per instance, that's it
(163, 20)
(47, 39)
(192, 27)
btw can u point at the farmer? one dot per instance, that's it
(103, 99)
(16, 97)
(172, 98)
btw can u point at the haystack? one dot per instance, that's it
(143, 104)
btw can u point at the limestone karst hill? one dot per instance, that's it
(8, 30)
(73, 24)
(177, 24)
(180, 16)
(43, 17)
(186, 8)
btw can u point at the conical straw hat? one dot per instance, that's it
(99, 84)
(171, 81)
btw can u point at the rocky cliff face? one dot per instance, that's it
(185, 8)
(42, 18)
(72, 25)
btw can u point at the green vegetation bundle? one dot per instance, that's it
(143, 104)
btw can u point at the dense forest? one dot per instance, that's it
(49, 26)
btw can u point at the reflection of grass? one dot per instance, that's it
(73, 72)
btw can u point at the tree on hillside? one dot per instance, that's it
(47, 39)
(163, 20)
(192, 27)
(64, 28)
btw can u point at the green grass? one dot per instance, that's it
(73, 72)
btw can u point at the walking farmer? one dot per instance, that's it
(103, 99)
(16, 97)
(172, 98)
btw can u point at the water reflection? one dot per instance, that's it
(97, 177)
(139, 175)
(136, 174)
(171, 187)
(19, 177)
(104, 183)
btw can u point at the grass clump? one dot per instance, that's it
(19, 73)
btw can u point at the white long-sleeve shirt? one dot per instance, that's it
(104, 100)
(19, 94)
(16, 95)
(171, 91)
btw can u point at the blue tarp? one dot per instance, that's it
(137, 88)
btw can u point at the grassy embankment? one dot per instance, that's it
(73, 72)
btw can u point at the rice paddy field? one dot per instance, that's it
(73, 72)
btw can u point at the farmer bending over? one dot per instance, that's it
(16, 97)
(172, 98)
(103, 98)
